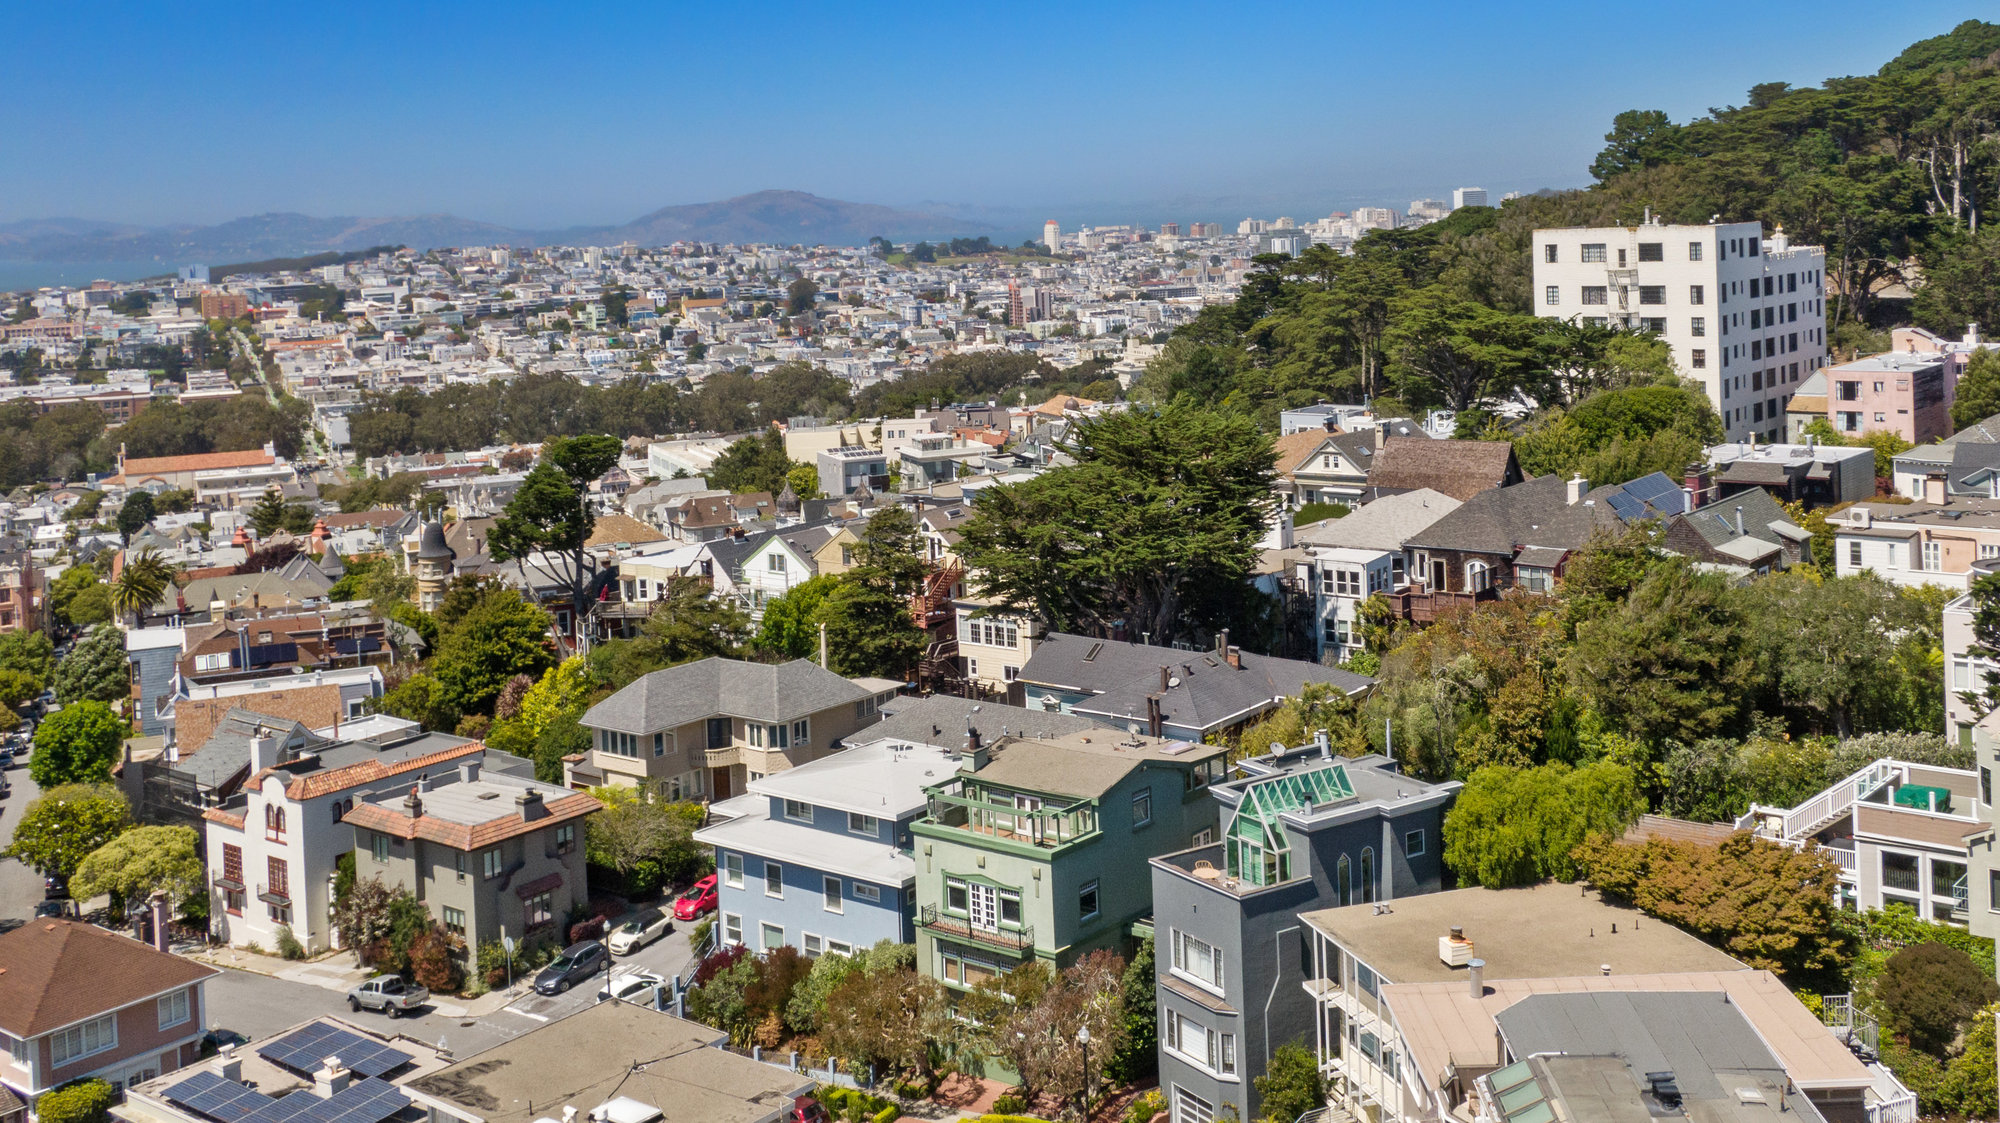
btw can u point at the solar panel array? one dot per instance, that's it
(1650, 496)
(308, 1048)
(364, 1101)
(226, 1100)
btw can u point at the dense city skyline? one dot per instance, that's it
(1112, 115)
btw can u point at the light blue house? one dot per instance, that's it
(818, 856)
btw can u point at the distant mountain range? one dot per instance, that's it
(766, 216)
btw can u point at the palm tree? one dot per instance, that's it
(141, 583)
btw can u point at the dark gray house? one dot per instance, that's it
(1301, 831)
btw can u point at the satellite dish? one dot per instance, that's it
(1134, 729)
(1277, 748)
(1173, 682)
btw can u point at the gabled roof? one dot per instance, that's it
(54, 973)
(618, 530)
(716, 687)
(1535, 513)
(1384, 524)
(1460, 469)
(1295, 449)
(1203, 691)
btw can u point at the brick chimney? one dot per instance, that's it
(1697, 482)
(413, 806)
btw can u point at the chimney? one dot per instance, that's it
(1222, 642)
(263, 753)
(1696, 480)
(425, 784)
(1972, 335)
(971, 740)
(330, 1080)
(530, 805)
(412, 805)
(1235, 656)
(228, 1065)
(1574, 490)
(1156, 721)
(159, 903)
(468, 772)
(1934, 492)
(1739, 520)
(1475, 977)
(1381, 435)
(1164, 676)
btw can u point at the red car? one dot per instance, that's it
(806, 1110)
(698, 901)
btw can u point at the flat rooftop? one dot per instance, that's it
(610, 1050)
(1543, 931)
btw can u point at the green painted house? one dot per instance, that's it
(1039, 848)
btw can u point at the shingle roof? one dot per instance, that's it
(615, 529)
(1295, 448)
(1204, 691)
(56, 972)
(315, 707)
(1460, 469)
(1384, 524)
(1535, 513)
(717, 686)
(942, 720)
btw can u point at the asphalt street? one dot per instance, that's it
(20, 887)
(257, 1006)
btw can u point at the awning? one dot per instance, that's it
(270, 898)
(233, 884)
(540, 885)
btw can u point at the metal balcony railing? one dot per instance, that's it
(1016, 940)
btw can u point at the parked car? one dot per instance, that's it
(389, 994)
(55, 887)
(698, 901)
(642, 987)
(644, 927)
(577, 963)
(53, 908)
(805, 1109)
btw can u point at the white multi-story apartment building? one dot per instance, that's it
(1745, 315)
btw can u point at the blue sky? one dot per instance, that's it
(544, 115)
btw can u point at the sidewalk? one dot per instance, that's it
(335, 971)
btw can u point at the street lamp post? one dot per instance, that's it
(1083, 1089)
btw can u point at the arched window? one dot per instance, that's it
(1367, 874)
(1478, 577)
(1345, 880)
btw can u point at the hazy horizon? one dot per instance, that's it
(543, 119)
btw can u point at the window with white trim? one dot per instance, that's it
(831, 899)
(1197, 961)
(868, 825)
(83, 1040)
(1086, 901)
(814, 945)
(774, 880)
(1199, 1045)
(866, 892)
(173, 1009)
(732, 870)
(770, 937)
(1142, 807)
(732, 928)
(798, 810)
(1413, 843)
